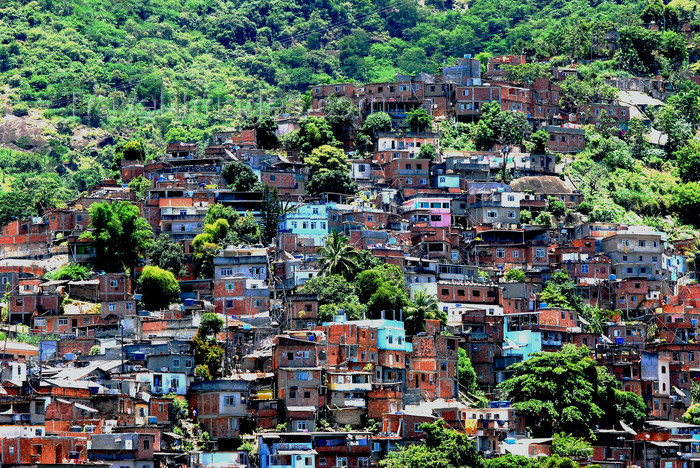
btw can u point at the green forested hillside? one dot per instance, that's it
(218, 49)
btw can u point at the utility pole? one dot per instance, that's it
(122, 325)
(41, 348)
(226, 368)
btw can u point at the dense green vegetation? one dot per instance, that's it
(159, 52)
(629, 180)
(566, 391)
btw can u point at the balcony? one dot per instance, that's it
(342, 449)
(350, 387)
(181, 217)
(15, 418)
(551, 342)
(354, 402)
(533, 203)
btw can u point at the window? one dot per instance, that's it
(230, 400)
(500, 253)
(112, 307)
(257, 303)
(416, 427)
(516, 253)
(302, 375)
(341, 461)
(273, 177)
(584, 268)
(403, 87)
(62, 321)
(642, 244)
(511, 215)
(322, 461)
(539, 252)
(229, 286)
(146, 444)
(113, 283)
(308, 461)
(624, 258)
(174, 383)
(491, 214)
(229, 303)
(188, 363)
(363, 462)
(226, 272)
(301, 425)
(176, 363)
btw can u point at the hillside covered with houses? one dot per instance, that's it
(490, 266)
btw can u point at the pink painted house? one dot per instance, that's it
(433, 210)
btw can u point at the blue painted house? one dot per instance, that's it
(308, 221)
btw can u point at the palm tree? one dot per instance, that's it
(337, 256)
(424, 307)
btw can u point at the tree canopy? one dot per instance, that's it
(158, 287)
(239, 176)
(167, 255)
(497, 126)
(565, 391)
(119, 235)
(444, 447)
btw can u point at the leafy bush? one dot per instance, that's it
(73, 271)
